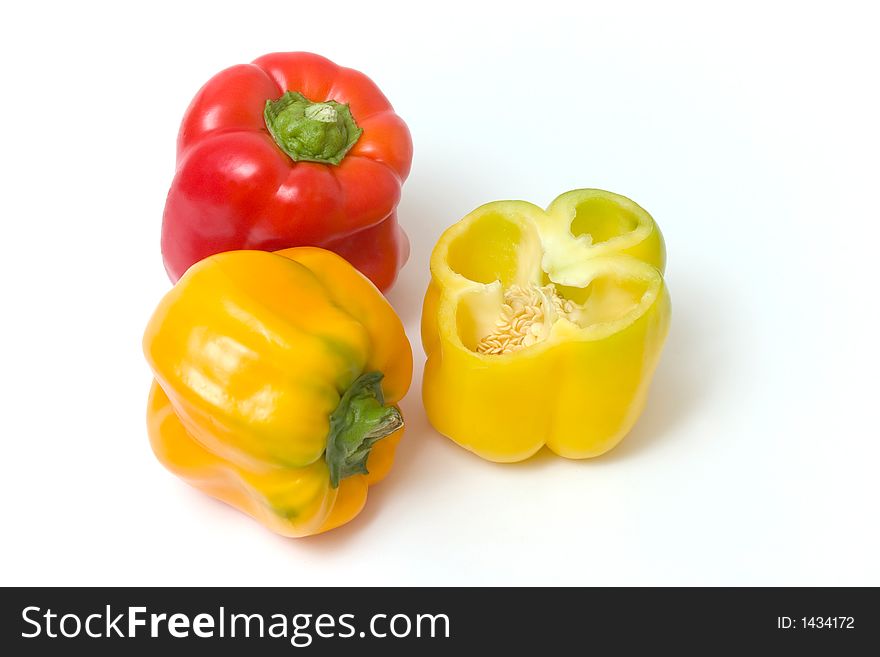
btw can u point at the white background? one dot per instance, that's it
(749, 132)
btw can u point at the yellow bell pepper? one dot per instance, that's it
(276, 379)
(544, 327)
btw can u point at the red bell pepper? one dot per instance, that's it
(290, 150)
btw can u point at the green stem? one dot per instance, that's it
(360, 420)
(311, 132)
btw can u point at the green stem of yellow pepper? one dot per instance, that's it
(360, 420)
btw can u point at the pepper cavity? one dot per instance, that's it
(520, 276)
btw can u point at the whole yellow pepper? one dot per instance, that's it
(276, 379)
(544, 327)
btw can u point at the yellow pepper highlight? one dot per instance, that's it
(276, 379)
(544, 327)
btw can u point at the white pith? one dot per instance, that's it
(527, 315)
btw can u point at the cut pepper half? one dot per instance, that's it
(544, 327)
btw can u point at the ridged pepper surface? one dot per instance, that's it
(290, 150)
(276, 382)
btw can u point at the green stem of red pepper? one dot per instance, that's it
(311, 132)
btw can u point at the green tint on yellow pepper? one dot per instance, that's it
(544, 327)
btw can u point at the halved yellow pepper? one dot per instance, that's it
(276, 379)
(544, 327)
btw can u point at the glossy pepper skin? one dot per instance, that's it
(579, 390)
(290, 150)
(276, 380)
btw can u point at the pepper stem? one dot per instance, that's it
(311, 132)
(360, 420)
